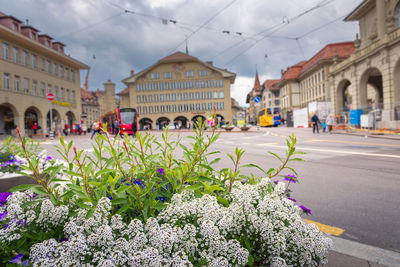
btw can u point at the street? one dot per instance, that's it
(348, 182)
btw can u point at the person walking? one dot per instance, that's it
(116, 128)
(329, 123)
(34, 128)
(95, 128)
(315, 121)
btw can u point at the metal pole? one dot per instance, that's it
(51, 121)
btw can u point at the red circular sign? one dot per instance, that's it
(50, 96)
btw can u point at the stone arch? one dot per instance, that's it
(182, 122)
(32, 115)
(162, 122)
(145, 122)
(8, 115)
(396, 83)
(195, 119)
(371, 90)
(343, 96)
(55, 120)
(220, 118)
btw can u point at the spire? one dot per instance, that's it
(187, 50)
(257, 85)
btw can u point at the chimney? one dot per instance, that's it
(209, 62)
(132, 72)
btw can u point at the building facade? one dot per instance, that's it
(270, 94)
(178, 89)
(31, 66)
(254, 108)
(369, 80)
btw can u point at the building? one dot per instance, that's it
(178, 89)
(31, 66)
(236, 108)
(270, 94)
(90, 107)
(253, 107)
(369, 80)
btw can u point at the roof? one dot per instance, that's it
(342, 50)
(257, 85)
(271, 84)
(180, 57)
(360, 10)
(30, 27)
(293, 72)
(124, 92)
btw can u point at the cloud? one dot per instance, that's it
(123, 41)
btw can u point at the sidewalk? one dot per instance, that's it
(367, 134)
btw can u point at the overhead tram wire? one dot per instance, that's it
(283, 24)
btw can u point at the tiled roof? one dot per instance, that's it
(124, 92)
(271, 84)
(257, 85)
(178, 56)
(342, 50)
(293, 72)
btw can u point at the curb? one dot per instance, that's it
(369, 135)
(365, 252)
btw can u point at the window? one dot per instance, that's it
(173, 97)
(16, 55)
(155, 86)
(197, 95)
(173, 108)
(209, 95)
(215, 83)
(144, 110)
(161, 98)
(168, 108)
(179, 96)
(185, 96)
(172, 85)
(185, 107)
(25, 58)
(55, 69)
(202, 73)
(221, 94)
(215, 95)
(155, 75)
(17, 82)
(162, 109)
(155, 98)
(178, 85)
(191, 95)
(190, 84)
(137, 87)
(166, 86)
(138, 98)
(62, 93)
(179, 108)
(68, 96)
(34, 87)
(26, 85)
(5, 51)
(161, 86)
(49, 88)
(144, 99)
(216, 105)
(61, 71)
(221, 105)
(197, 107)
(191, 107)
(149, 86)
(167, 97)
(184, 85)
(150, 109)
(48, 66)
(72, 76)
(210, 106)
(33, 35)
(196, 84)
(56, 91)
(202, 83)
(204, 106)
(139, 110)
(203, 95)
(167, 75)
(156, 109)
(143, 87)
(221, 83)
(150, 98)
(209, 84)
(73, 96)
(6, 80)
(33, 61)
(15, 27)
(189, 73)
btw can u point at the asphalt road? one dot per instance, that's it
(349, 182)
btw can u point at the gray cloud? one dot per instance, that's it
(132, 41)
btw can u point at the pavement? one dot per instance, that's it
(368, 134)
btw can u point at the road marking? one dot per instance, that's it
(327, 228)
(351, 142)
(266, 144)
(228, 142)
(335, 151)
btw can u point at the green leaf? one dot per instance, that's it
(223, 201)
(23, 187)
(194, 187)
(251, 165)
(296, 159)
(276, 156)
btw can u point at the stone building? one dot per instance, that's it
(369, 80)
(270, 94)
(236, 108)
(254, 108)
(90, 107)
(31, 66)
(178, 89)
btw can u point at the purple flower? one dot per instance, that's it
(292, 199)
(127, 183)
(305, 210)
(3, 215)
(5, 226)
(291, 178)
(17, 259)
(63, 239)
(49, 158)
(4, 196)
(25, 263)
(161, 171)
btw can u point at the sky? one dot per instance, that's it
(116, 36)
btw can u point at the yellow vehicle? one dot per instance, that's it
(269, 117)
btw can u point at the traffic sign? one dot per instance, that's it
(257, 99)
(50, 97)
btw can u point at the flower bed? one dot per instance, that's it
(134, 204)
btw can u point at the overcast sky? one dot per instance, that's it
(239, 35)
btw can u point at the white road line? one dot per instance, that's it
(334, 151)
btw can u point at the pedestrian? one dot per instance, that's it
(134, 126)
(66, 127)
(34, 127)
(116, 128)
(84, 128)
(315, 121)
(329, 123)
(95, 128)
(323, 125)
(283, 121)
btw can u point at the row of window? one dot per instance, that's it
(180, 108)
(37, 88)
(169, 75)
(32, 60)
(184, 96)
(179, 85)
(313, 79)
(313, 93)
